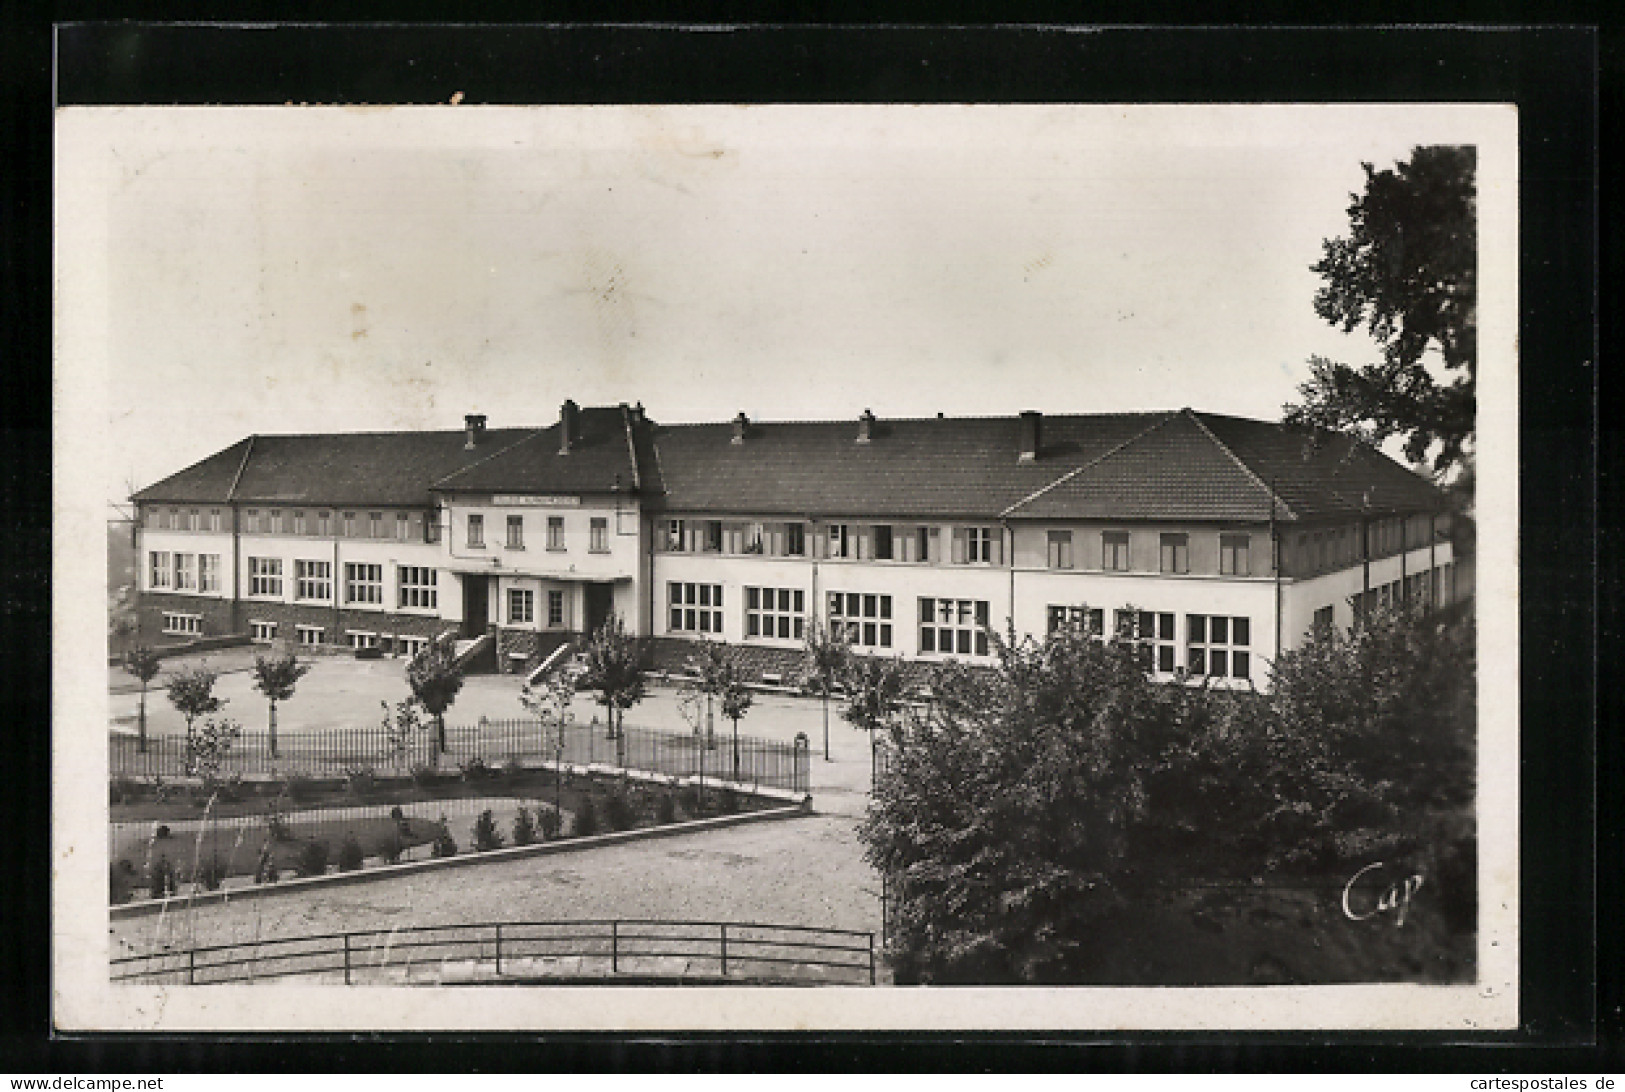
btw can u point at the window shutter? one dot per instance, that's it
(998, 546)
(959, 546)
(861, 545)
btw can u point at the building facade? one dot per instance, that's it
(1211, 542)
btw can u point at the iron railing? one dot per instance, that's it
(532, 743)
(643, 950)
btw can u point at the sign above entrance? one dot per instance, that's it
(534, 500)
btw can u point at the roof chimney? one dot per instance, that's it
(568, 428)
(473, 430)
(866, 424)
(637, 414)
(1031, 422)
(741, 423)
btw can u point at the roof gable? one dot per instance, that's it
(600, 460)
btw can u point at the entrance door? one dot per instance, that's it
(600, 605)
(476, 618)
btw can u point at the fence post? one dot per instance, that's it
(346, 959)
(191, 966)
(871, 959)
(499, 949)
(724, 926)
(615, 947)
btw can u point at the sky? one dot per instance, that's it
(259, 270)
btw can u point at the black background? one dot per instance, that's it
(1569, 926)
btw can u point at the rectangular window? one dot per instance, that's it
(841, 540)
(411, 647)
(349, 525)
(299, 525)
(516, 532)
(555, 608)
(375, 529)
(1176, 554)
(927, 551)
(713, 536)
(1323, 622)
(214, 519)
(154, 518)
(251, 519)
(1114, 551)
(865, 619)
(265, 576)
(186, 572)
(313, 580)
(883, 542)
(476, 531)
(273, 521)
(1233, 555)
(954, 626)
(361, 639)
(416, 587)
(309, 635)
(262, 631)
(1091, 620)
(193, 523)
(695, 608)
(208, 572)
(431, 527)
(1152, 636)
(159, 572)
(363, 582)
(324, 524)
(1217, 646)
(598, 536)
(978, 545)
(403, 527)
(795, 540)
(776, 613)
(1060, 549)
(521, 607)
(189, 624)
(676, 541)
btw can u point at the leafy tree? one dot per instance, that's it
(826, 652)
(614, 668)
(876, 697)
(276, 677)
(435, 679)
(1407, 272)
(401, 724)
(554, 706)
(192, 692)
(206, 750)
(142, 662)
(722, 680)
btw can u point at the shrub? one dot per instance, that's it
(120, 881)
(312, 858)
(211, 874)
(486, 834)
(444, 844)
(396, 814)
(689, 797)
(728, 801)
(550, 822)
(514, 768)
(475, 769)
(424, 776)
(277, 824)
(360, 781)
(390, 848)
(162, 832)
(299, 788)
(224, 790)
(350, 855)
(586, 823)
(161, 881)
(618, 810)
(122, 790)
(266, 871)
(666, 808)
(524, 828)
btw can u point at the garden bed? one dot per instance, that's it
(255, 832)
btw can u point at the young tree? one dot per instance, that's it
(826, 652)
(206, 750)
(142, 662)
(401, 725)
(876, 698)
(276, 677)
(723, 681)
(435, 679)
(192, 692)
(614, 668)
(1407, 272)
(554, 706)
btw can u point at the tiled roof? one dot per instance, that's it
(1169, 465)
(935, 466)
(384, 468)
(599, 461)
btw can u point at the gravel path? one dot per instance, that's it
(803, 871)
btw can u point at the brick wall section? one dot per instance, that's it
(216, 613)
(534, 646)
(672, 654)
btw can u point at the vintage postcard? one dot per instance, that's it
(873, 567)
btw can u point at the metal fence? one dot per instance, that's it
(529, 951)
(533, 743)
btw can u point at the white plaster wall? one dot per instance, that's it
(1302, 597)
(575, 562)
(388, 553)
